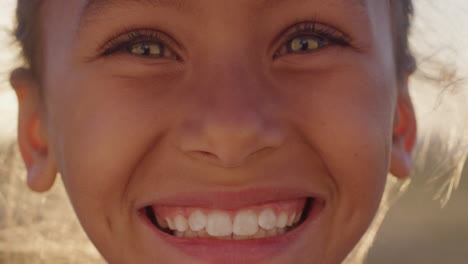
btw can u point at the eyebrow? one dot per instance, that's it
(272, 3)
(94, 6)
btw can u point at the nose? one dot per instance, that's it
(230, 120)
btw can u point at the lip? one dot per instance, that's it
(236, 251)
(231, 200)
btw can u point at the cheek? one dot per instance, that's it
(346, 117)
(102, 128)
(349, 120)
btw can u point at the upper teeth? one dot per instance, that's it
(197, 220)
(246, 223)
(219, 224)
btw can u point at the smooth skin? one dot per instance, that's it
(221, 110)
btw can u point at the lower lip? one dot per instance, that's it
(239, 251)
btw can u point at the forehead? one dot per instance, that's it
(182, 4)
(90, 8)
(85, 9)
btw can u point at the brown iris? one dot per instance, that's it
(305, 44)
(146, 49)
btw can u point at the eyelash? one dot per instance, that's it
(123, 41)
(313, 29)
(325, 34)
(320, 30)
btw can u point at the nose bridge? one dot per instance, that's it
(232, 118)
(234, 91)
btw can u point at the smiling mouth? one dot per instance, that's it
(254, 222)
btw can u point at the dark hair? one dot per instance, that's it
(27, 33)
(402, 16)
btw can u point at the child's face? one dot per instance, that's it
(233, 108)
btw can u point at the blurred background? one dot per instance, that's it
(417, 230)
(423, 226)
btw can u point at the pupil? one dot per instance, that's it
(304, 44)
(146, 50)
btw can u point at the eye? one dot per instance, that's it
(305, 44)
(147, 49)
(308, 37)
(142, 43)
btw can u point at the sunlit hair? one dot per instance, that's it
(38, 228)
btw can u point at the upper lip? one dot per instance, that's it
(230, 200)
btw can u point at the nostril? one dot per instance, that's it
(229, 140)
(218, 160)
(227, 159)
(207, 154)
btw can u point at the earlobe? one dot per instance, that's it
(404, 138)
(32, 138)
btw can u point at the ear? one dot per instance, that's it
(404, 138)
(32, 139)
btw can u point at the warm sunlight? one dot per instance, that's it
(8, 105)
(439, 35)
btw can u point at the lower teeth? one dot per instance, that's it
(262, 233)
